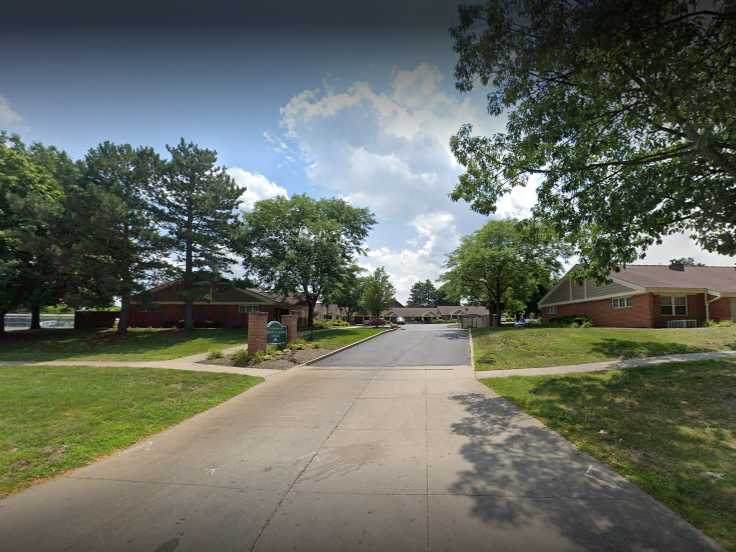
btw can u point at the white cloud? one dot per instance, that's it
(258, 187)
(7, 115)
(389, 151)
(681, 245)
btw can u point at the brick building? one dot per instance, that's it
(220, 304)
(647, 296)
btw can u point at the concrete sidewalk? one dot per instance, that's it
(606, 365)
(340, 459)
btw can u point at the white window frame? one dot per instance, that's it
(247, 309)
(621, 302)
(552, 309)
(672, 306)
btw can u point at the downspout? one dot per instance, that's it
(716, 297)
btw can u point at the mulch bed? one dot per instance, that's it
(281, 362)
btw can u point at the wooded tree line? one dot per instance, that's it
(101, 229)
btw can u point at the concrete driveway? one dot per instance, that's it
(335, 458)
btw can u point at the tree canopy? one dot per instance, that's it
(423, 294)
(378, 292)
(502, 264)
(621, 110)
(302, 244)
(198, 204)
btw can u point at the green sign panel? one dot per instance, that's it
(275, 333)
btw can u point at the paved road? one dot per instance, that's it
(333, 459)
(413, 345)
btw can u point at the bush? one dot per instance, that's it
(572, 321)
(213, 355)
(325, 324)
(720, 324)
(240, 358)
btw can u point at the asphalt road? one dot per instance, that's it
(412, 345)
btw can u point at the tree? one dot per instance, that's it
(423, 294)
(502, 264)
(303, 245)
(621, 109)
(197, 206)
(378, 292)
(685, 261)
(446, 295)
(28, 193)
(124, 248)
(348, 292)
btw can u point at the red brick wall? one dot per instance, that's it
(721, 309)
(257, 338)
(695, 311)
(639, 315)
(168, 315)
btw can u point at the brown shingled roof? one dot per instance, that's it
(716, 278)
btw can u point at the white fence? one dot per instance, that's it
(475, 321)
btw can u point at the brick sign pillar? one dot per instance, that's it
(257, 331)
(290, 321)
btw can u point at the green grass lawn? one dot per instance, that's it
(334, 339)
(505, 348)
(139, 344)
(670, 429)
(53, 419)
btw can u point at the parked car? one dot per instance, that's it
(400, 320)
(376, 322)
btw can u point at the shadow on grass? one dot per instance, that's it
(70, 344)
(524, 476)
(664, 426)
(624, 348)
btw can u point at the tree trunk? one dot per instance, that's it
(310, 313)
(124, 314)
(35, 317)
(188, 291)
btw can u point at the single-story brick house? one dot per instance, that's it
(428, 314)
(220, 303)
(647, 296)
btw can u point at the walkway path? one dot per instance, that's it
(343, 458)
(606, 365)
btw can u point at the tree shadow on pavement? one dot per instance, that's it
(524, 477)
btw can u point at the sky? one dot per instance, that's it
(331, 99)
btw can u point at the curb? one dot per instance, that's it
(472, 352)
(345, 348)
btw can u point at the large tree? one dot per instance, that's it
(124, 249)
(198, 208)
(378, 292)
(503, 263)
(622, 109)
(423, 294)
(29, 199)
(303, 245)
(347, 292)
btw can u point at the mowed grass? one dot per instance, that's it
(53, 419)
(334, 339)
(506, 348)
(138, 344)
(670, 429)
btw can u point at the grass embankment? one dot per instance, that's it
(139, 344)
(670, 429)
(505, 348)
(53, 419)
(334, 339)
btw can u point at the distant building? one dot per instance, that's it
(429, 314)
(647, 296)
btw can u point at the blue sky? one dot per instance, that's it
(359, 106)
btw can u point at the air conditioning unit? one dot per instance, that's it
(682, 323)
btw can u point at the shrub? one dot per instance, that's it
(572, 320)
(325, 324)
(240, 358)
(213, 355)
(719, 324)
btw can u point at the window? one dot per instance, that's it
(243, 309)
(621, 302)
(552, 309)
(673, 305)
